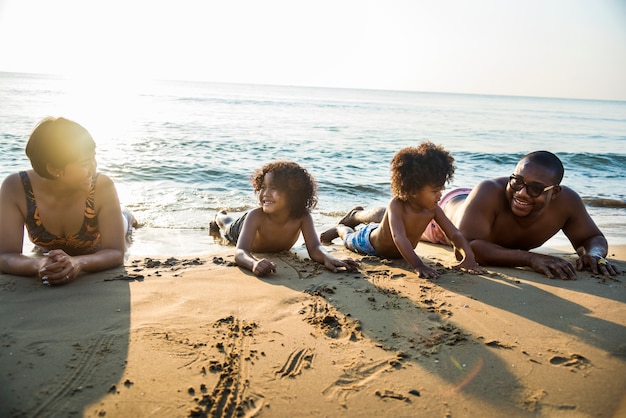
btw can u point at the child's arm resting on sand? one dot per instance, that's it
(460, 244)
(314, 248)
(404, 245)
(243, 256)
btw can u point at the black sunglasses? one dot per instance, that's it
(517, 183)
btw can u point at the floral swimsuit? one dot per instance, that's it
(86, 241)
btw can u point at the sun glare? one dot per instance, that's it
(105, 105)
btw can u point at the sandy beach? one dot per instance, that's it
(198, 336)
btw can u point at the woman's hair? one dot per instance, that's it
(58, 142)
(412, 168)
(288, 177)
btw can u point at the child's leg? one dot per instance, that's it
(223, 219)
(343, 230)
(220, 222)
(338, 231)
(358, 215)
(329, 235)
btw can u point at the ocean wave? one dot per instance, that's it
(609, 162)
(601, 202)
(607, 165)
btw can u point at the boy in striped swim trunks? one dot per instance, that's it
(418, 175)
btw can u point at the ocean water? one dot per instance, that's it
(180, 151)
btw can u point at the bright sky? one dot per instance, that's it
(554, 48)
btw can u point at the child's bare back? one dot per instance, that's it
(413, 221)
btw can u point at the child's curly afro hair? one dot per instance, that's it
(412, 168)
(295, 181)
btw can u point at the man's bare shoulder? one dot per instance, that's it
(489, 186)
(568, 193)
(567, 200)
(487, 193)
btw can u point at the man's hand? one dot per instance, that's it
(597, 265)
(553, 267)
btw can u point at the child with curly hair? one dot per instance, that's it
(418, 177)
(286, 193)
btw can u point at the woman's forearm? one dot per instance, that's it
(101, 260)
(19, 264)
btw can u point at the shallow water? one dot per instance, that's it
(179, 151)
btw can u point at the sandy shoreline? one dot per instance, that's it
(197, 336)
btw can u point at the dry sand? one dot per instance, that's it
(200, 337)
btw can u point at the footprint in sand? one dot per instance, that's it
(573, 361)
(332, 322)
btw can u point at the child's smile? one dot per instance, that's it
(270, 197)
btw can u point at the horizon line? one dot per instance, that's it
(150, 79)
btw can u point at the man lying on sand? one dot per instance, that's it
(504, 218)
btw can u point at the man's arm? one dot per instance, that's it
(547, 265)
(585, 236)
